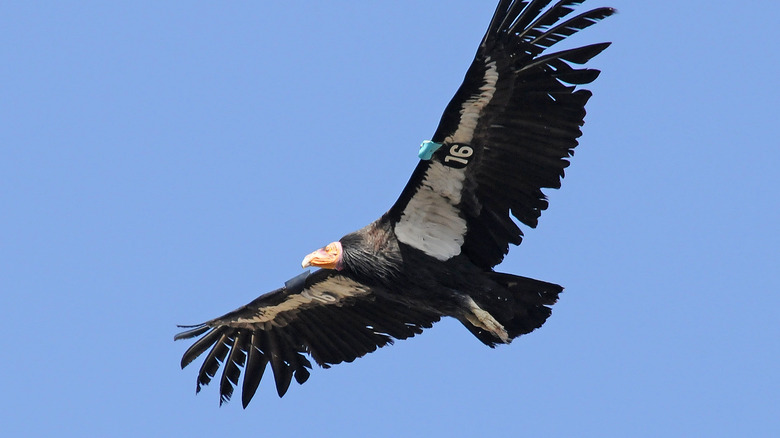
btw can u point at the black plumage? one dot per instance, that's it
(508, 133)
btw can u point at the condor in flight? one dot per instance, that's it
(507, 133)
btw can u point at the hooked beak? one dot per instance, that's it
(327, 258)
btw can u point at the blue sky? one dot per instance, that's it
(164, 163)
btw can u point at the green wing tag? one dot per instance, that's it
(427, 148)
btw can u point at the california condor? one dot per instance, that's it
(506, 134)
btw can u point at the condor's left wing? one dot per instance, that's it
(325, 314)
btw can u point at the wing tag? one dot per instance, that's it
(295, 285)
(427, 148)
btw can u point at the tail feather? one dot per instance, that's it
(519, 304)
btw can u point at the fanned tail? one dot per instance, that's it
(523, 310)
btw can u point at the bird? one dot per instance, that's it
(508, 132)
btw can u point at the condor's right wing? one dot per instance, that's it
(507, 134)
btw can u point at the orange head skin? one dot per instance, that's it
(328, 257)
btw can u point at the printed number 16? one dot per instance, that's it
(459, 154)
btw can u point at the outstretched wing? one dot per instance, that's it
(505, 135)
(325, 314)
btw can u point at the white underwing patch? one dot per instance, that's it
(472, 108)
(431, 221)
(329, 292)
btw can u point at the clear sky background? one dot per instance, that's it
(166, 162)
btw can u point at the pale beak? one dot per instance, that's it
(327, 258)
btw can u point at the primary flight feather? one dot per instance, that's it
(506, 134)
